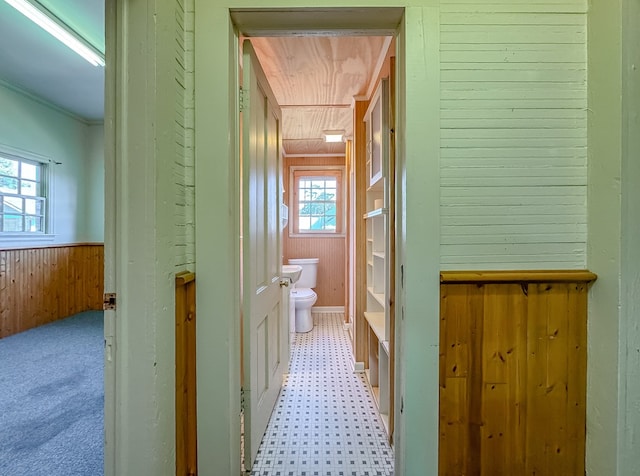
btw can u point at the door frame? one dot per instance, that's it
(217, 243)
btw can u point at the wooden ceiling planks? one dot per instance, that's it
(315, 80)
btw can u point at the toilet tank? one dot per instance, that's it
(309, 271)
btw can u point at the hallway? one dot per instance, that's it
(325, 422)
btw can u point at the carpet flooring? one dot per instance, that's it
(52, 399)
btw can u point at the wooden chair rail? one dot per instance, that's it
(529, 276)
(186, 416)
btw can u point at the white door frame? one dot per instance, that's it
(217, 240)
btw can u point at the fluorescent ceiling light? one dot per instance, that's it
(333, 136)
(51, 24)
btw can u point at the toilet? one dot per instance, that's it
(302, 296)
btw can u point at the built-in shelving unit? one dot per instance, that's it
(377, 242)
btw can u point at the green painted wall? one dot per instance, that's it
(94, 212)
(613, 394)
(604, 225)
(32, 126)
(629, 411)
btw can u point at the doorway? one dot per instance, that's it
(315, 78)
(249, 23)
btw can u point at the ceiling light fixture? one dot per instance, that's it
(333, 136)
(48, 22)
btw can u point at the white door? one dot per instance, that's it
(265, 332)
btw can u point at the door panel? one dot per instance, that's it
(265, 356)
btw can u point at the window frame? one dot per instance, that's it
(298, 172)
(45, 195)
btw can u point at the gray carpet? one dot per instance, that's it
(52, 399)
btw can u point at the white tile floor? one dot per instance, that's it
(325, 422)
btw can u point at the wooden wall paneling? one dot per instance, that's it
(331, 251)
(555, 308)
(36, 284)
(186, 391)
(91, 281)
(513, 375)
(504, 351)
(347, 227)
(361, 347)
(62, 263)
(460, 377)
(392, 241)
(22, 262)
(64, 275)
(69, 268)
(577, 377)
(41, 285)
(29, 258)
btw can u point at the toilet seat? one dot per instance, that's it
(302, 293)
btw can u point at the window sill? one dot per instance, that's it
(316, 235)
(22, 240)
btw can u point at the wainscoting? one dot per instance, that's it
(186, 399)
(42, 285)
(513, 356)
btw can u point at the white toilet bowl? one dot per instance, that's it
(302, 295)
(304, 299)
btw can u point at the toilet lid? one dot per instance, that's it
(303, 292)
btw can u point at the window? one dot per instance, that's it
(317, 204)
(22, 195)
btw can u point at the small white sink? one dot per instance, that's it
(291, 271)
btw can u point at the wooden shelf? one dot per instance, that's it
(385, 346)
(377, 296)
(375, 213)
(376, 322)
(378, 200)
(376, 186)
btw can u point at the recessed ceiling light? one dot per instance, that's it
(333, 136)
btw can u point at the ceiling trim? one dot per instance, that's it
(40, 100)
(384, 51)
(363, 21)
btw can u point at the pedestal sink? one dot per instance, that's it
(291, 271)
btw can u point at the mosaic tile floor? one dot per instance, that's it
(325, 422)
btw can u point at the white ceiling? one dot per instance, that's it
(35, 62)
(314, 78)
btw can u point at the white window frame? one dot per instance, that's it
(293, 206)
(16, 239)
